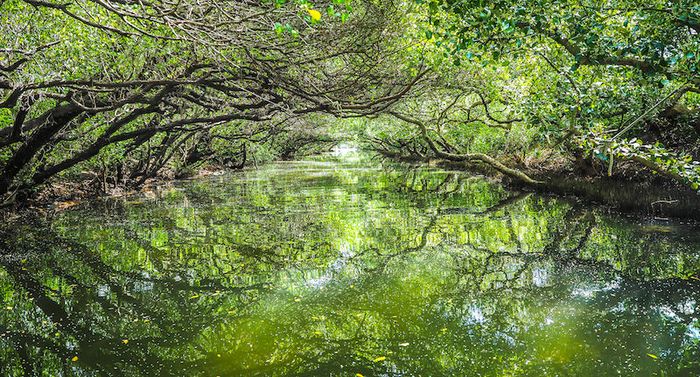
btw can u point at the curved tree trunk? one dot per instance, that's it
(467, 157)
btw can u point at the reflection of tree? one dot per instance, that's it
(141, 320)
(506, 279)
(439, 273)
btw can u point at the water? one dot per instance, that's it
(333, 268)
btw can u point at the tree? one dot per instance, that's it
(596, 69)
(444, 117)
(132, 87)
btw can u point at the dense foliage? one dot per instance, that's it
(117, 92)
(604, 71)
(127, 91)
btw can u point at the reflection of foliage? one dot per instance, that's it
(326, 271)
(94, 310)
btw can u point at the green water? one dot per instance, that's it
(334, 268)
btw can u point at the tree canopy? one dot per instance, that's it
(118, 92)
(130, 87)
(603, 71)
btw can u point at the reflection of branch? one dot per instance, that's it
(96, 329)
(386, 258)
(498, 206)
(586, 235)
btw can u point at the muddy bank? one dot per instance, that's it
(648, 198)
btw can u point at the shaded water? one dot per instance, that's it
(334, 269)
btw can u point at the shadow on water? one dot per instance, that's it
(648, 198)
(328, 268)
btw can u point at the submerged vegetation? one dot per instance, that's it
(114, 94)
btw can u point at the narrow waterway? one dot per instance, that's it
(340, 267)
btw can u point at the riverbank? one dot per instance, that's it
(643, 194)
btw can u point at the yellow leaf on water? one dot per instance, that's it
(315, 15)
(74, 359)
(652, 356)
(380, 358)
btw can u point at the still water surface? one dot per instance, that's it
(331, 268)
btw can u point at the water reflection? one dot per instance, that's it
(328, 268)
